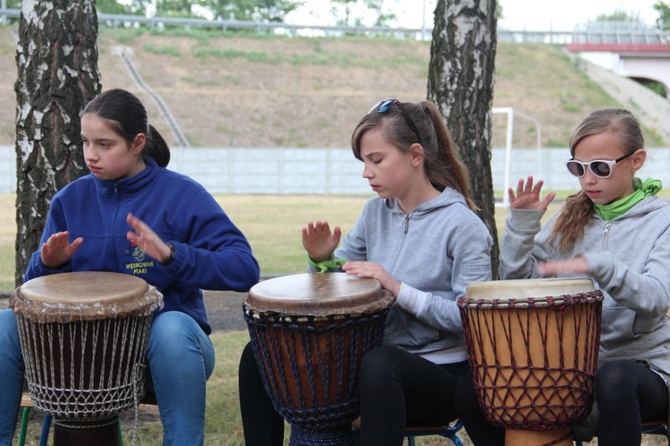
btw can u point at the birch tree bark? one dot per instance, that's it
(460, 84)
(57, 62)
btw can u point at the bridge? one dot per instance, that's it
(627, 49)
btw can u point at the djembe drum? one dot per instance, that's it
(83, 337)
(309, 333)
(533, 347)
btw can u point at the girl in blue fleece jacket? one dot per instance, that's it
(131, 215)
(422, 241)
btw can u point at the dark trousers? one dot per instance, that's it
(396, 388)
(627, 394)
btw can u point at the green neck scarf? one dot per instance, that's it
(616, 208)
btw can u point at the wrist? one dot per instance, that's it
(330, 264)
(170, 256)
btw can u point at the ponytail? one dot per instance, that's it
(445, 168)
(156, 147)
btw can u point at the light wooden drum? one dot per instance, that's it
(533, 347)
(83, 337)
(309, 333)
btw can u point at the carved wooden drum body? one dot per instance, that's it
(309, 333)
(533, 346)
(83, 337)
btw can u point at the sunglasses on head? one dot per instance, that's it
(599, 168)
(384, 106)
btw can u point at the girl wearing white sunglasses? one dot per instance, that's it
(615, 231)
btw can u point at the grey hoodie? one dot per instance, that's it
(629, 260)
(435, 251)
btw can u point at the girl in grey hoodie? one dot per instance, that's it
(616, 232)
(422, 241)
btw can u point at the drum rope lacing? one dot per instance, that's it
(319, 398)
(566, 380)
(99, 368)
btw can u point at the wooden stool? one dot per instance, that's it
(26, 405)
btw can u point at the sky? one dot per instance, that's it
(530, 15)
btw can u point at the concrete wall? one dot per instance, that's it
(335, 171)
(654, 66)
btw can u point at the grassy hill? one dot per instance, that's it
(231, 90)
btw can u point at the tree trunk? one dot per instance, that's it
(57, 61)
(460, 84)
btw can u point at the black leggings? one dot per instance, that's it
(627, 394)
(396, 387)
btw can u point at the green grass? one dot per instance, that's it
(7, 241)
(272, 224)
(167, 50)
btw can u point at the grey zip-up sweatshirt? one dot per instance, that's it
(435, 251)
(629, 260)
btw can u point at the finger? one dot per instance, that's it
(131, 237)
(510, 194)
(309, 229)
(519, 187)
(77, 243)
(325, 227)
(548, 199)
(529, 185)
(353, 265)
(133, 222)
(538, 187)
(138, 225)
(349, 265)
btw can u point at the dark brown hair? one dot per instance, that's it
(442, 163)
(126, 115)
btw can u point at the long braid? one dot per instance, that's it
(569, 225)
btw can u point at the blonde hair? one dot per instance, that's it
(578, 208)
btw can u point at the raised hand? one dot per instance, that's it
(57, 250)
(319, 241)
(528, 196)
(145, 237)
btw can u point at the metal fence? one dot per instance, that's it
(625, 32)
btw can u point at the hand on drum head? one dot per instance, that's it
(577, 265)
(58, 250)
(147, 239)
(319, 241)
(373, 270)
(528, 196)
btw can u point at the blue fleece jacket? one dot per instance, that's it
(210, 251)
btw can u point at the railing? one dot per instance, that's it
(581, 34)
